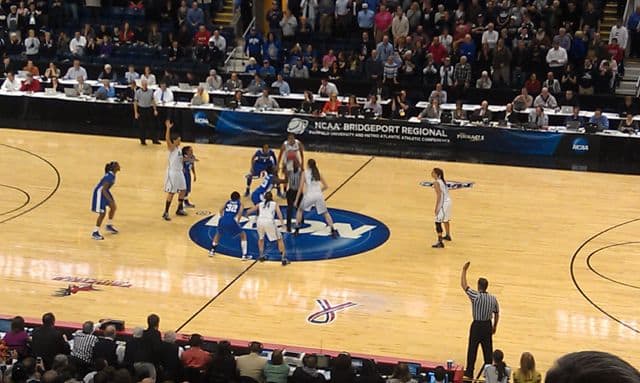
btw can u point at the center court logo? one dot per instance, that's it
(358, 234)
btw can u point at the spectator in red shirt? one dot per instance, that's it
(195, 357)
(615, 50)
(332, 105)
(201, 41)
(533, 84)
(202, 36)
(382, 22)
(437, 50)
(30, 84)
(126, 35)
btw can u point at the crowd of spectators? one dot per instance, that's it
(169, 31)
(91, 355)
(461, 45)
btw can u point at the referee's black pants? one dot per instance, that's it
(481, 333)
(147, 125)
(291, 204)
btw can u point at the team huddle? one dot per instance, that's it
(303, 191)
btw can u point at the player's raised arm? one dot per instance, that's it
(167, 134)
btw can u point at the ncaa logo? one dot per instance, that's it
(200, 118)
(358, 234)
(580, 145)
(297, 126)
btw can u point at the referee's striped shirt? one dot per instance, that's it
(83, 346)
(483, 305)
(294, 179)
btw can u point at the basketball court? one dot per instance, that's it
(565, 275)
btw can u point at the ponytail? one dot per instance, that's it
(268, 197)
(109, 166)
(315, 173)
(440, 173)
(501, 366)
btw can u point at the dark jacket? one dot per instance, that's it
(170, 365)
(106, 349)
(301, 376)
(47, 342)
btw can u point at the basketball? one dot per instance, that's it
(292, 156)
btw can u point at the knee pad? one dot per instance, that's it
(438, 227)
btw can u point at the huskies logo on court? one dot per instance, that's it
(451, 185)
(297, 126)
(358, 234)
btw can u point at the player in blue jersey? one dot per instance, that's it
(188, 168)
(102, 198)
(262, 160)
(268, 181)
(228, 224)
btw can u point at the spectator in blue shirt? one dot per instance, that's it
(579, 47)
(384, 49)
(271, 48)
(267, 70)
(253, 44)
(195, 17)
(252, 67)
(365, 18)
(283, 86)
(468, 48)
(633, 25)
(599, 119)
(105, 91)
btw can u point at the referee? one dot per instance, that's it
(145, 112)
(293, 184)
(483, 307)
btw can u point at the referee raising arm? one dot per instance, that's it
(483, 307)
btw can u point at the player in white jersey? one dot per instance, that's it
(266, 224)
(292, 150)
(443, 207)
(311, 187)
(174, 181)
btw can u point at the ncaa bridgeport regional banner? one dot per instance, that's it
(377, 131)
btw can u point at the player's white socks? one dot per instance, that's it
(97, 228)
(214, 244)
(109, 222)
(243, 246)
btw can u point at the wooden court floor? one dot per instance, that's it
(519, 227)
